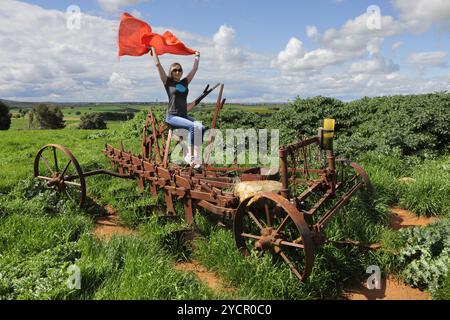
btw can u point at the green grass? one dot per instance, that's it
(133, 268)
(430, 193)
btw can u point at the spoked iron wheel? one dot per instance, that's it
(267, 222)
(60, 169)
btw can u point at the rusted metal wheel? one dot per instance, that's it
(349, 173)
(60, 169)
(267, 222)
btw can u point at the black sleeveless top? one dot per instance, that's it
(177, 92)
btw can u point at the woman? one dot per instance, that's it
(176, 116)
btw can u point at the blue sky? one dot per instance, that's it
(263, 51)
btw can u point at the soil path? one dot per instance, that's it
(402, 218)
(213, 281)
(391, 289)
(107, 226)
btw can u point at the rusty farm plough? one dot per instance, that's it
(283, 213)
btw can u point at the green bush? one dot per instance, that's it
(425, 255)
(403, 125)
(92, 121)
(232, 119)
(5, 117)
(45, 117)
(117, 116)
(443, 292)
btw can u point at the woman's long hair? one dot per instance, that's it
(172, 66)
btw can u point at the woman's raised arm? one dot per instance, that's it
(194, 68)
(162, 73)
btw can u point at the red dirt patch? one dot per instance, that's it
(205, 276)
(391, 289)
(107, 226)
(402, 218)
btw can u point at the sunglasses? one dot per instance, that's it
(177, 70)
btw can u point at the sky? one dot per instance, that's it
(263, 51)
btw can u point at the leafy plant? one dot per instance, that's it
(5, 117)
(92, 121)
(45, 117)
(425, 255)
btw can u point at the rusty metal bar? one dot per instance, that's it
(205, 93)
(344, 199)
(219, 105)
(282, 153)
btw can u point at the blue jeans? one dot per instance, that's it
(188, 124)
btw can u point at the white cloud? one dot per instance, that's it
(338, 66)
(373, 66)
(397, 45)
(424, 59)
(294, 51)
(115, 5)
(136, 13)
(312, 33)
(421, 14)
(119, 81)
(229, 57)
(351, 41)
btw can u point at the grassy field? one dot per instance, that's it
(41, 234)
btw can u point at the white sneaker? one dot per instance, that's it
(198, 167)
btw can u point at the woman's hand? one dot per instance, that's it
(197, 54)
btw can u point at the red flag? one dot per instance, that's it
(136, 36)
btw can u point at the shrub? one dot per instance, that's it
(117, 116)
(92, 121)
(405, 125)
(232, 119)
(443, 292)
(5, 117)
(425, 255)
(45, 117)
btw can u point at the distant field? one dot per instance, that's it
(72, 114)
(71, 122)
(74, 111)
(77, 111)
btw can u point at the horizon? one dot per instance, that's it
(229, 103)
